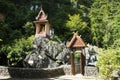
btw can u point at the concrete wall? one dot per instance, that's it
(91, 71)
(30, 72)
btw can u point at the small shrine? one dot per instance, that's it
(77, 45)
(42, 25)
(76, 42)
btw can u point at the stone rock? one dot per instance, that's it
(116, 73)
(47, 53)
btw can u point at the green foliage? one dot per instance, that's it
(98, 21)
(18, 50)
(76, 23)
(29, 28)
(105, 22)
(76, 55)
(108, 61)
(15, 14)
(19, 14)
(56, 38)
(116, 44)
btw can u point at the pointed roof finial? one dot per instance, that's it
(41, 7)
(41, 15)
(76, 41)
(76, 33)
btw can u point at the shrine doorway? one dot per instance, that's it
(77, 46)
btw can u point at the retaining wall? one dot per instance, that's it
(31, 72)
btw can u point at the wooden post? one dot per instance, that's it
(82, 63)
(72, 63)
(37, 28)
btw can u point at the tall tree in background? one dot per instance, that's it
(79, 21)
(98, 21)
(104, 16)
(58, 14)
(101, 17)
(14, 13)
(18, 13)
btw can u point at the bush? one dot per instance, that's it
(77, 55)
(56, 38)
(116, 44)
(29, 28)
(18, 50)
(108, 61)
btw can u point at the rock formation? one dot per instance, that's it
(47, 53)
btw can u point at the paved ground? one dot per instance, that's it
(64, 77)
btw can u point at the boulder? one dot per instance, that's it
(47, 53)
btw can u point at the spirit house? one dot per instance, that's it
(42, 25)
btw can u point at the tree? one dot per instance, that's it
(75, 23)
(103, 15)
(79, 22)
(17, 52)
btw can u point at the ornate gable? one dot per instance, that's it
(41, 15)
(76, 41)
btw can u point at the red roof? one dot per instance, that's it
(41, 15)
(76, 41)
